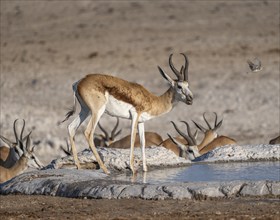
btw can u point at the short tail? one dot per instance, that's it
(70, 112)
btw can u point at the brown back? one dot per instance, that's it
(151, 139)
(275, 140)
(217, 142)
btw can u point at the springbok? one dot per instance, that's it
(209, 134)
(99, 93)
(8, 155)
(169, 144)
(106, 139)
(151, 139)
(275, 140)
(26, 160)
(210, 141)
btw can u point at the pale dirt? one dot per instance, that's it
(48, 45)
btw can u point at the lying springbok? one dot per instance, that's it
(106, 139)
(151, 139)
(210, 141)
(169, 144)
(99, 93)
(8, 155)
(275, 140)
(26, 160)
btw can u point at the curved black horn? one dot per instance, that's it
(21, 133)
(114, 129)
(191, 136)
(188, 139)
(200, 127)
(209, 126)
(15, 131)
(217, 125)
(104, 131)
(186, 69)
(177, 73)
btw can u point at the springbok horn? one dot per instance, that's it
(200, 127)
(209, 126)
(186, 69)
(217, 125)
(114, 129)
(191, 136)
(177, 73)
(104, 131)
(188, 139)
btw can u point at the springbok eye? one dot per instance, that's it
(179, 86)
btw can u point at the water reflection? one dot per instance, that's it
(210, 172)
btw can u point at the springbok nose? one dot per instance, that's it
(189, 98)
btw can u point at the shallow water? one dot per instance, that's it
(210, 172)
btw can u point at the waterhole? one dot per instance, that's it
(200, 172)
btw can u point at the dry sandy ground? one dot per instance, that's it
(48, 45)
(35, 207)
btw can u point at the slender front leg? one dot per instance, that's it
(141, 132)
(134, 122)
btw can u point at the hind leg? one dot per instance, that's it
(97, 109)
(72, 128)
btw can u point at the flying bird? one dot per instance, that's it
(255, 66)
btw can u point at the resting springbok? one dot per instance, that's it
(275, 140)
(106, 139)
(210, 141)
(26, 160)
(8, 155)
(99, 93)
(169, 144)
(151, 139)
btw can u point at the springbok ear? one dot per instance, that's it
(8, 142)
(167, 77)
(178, 143)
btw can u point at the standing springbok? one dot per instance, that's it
(99, 93)
(106, 140)
(26, 160)
(210, 141)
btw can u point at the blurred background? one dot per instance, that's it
(46, 46)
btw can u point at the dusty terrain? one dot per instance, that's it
(34, 207)
(48, 45)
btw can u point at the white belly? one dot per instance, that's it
(117, 108)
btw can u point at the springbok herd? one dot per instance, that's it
(98, 94)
